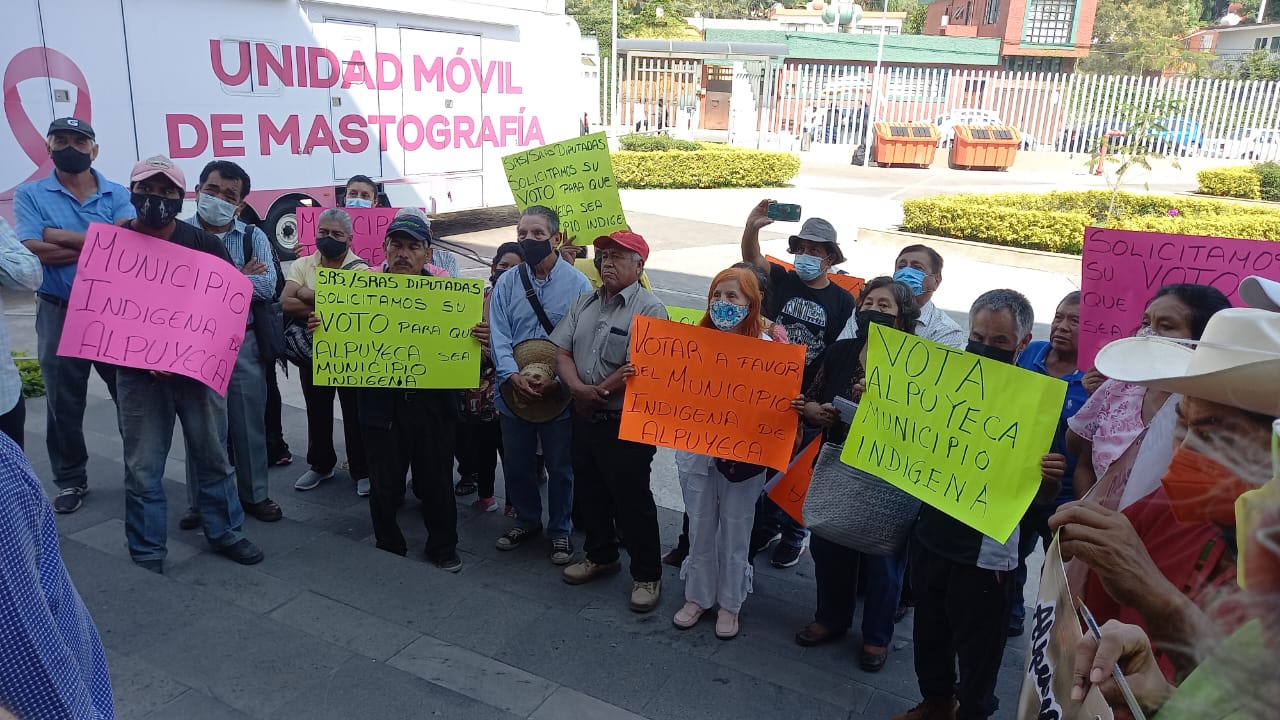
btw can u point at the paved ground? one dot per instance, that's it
(330, 627)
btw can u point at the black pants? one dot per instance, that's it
(421, 437)
(479, 447)
(321, 455)
(961, 614)
(276, 446)
(611, 485)
(13, 423)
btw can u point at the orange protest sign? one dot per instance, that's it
(712, 392)
(848, 282)
(792, 488)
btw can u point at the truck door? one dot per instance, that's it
(344, 39)
(459, 106)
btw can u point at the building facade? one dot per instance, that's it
(1034, 35)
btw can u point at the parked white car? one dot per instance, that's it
(1246, 143)
(975, 116)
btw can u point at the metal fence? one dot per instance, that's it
(795, 105)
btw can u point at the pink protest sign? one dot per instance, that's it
(146, 303)
(1123, 269)
(369, 226)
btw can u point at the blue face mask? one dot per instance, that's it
(359, 203)
(912, 278)
(808, 267)
(727, 316)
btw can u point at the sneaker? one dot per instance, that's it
(452, 563)
(509, 510)
(311, 479)
(932, 710)
(190, 519)
(785, 556)
(485, 505)
(761, 542)
(586, 571)
(70, 500)
(645, 595)
(362, 487)
(561, 551)
(517, 536)
(283, 458)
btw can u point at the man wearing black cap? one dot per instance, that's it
(411, 429)
(52, 216)
(611, 476)
(814, 311)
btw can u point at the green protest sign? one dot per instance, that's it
(687, 316)
(391, 330)
(960, 432)
(574, 178)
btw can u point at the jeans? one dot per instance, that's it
(246, 425)
(479, 447)
(520, 469)
(771, 520)
(66, 382)
(717, 571)
(13, 423)
(420, 437)
(835, 569)
(321, 455)
(611, 489)
(1034, 526)
(962, 613)
(148, 406)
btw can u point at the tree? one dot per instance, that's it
(1146, 134)
(1136, 37)
(914, 22)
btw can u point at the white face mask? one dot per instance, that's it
(214, 210)
(359, 203)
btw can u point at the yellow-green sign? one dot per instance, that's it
(962, 433)
(688, 316)
(399, 331)
(574, 178)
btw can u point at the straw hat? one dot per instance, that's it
(1261, 293)
(1235, 363)
(536, 359)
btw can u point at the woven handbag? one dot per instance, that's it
(855, 509)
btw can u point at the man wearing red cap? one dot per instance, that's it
(150, 401)
(611, 476)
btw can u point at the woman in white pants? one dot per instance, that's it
(720, 496)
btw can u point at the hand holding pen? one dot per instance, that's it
(1119, 660)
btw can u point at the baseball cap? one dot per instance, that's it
(158, 165)
(819, 231)
(411, 225)
(70, 124)
(624, 239)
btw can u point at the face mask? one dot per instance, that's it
(912, 278)
(71, 160)
(155, 211)
(727, 316)
(535, 251)
(359, 203)
(989, 351)
(808, 267)
(1200, 489)
(1146, 331)
(330, 247)
(867, 318)
(214, 210)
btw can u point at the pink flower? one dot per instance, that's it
(1174, 212)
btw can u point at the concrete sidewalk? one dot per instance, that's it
(329, 627)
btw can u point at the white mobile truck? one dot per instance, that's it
(423, 95)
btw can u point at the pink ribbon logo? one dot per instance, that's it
(32, 63)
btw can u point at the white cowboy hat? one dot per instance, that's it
(1261, 293)
(1235, 363)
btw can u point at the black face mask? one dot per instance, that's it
(535, 251)
(990, 352)
(71, 160)
(867, 318)
(155, 211)
(330, 247)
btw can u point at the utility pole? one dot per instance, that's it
(613, 70)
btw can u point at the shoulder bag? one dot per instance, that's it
(855, 509)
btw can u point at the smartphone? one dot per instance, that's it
(846, 407)
(786, 212)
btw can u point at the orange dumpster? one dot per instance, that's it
(905, 143)
(985, 147)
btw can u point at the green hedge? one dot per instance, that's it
(655, 143)
(1236, 182)
(1056, 221)
(703, 168)
(32, 379)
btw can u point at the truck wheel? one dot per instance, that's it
(281, 227)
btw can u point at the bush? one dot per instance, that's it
(1056, 221)
(1237, 182)
(703, 168)
(32, 380)
(1269, 178)
(655, 143)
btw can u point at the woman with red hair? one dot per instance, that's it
(720, 495)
